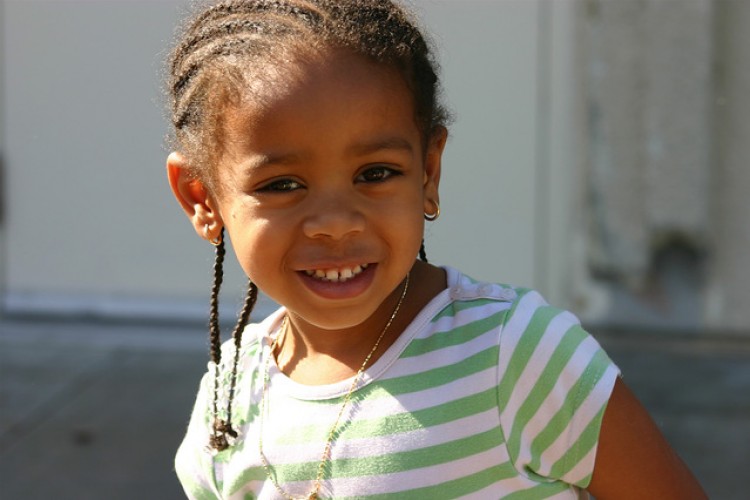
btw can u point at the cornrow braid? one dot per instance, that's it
(222, 429)
(224, 21)
(233, 7)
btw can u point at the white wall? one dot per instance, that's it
(489, 52)
(90, 221)
(91, 224)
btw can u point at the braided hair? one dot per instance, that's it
(232, 44)
(222, 429)
(229, 47)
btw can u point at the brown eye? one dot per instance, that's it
(281, 186)
(376, 174)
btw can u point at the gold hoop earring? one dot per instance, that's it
(214, 241)
(433, 217)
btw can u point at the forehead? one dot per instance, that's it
(330, 96)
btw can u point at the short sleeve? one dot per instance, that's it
(554, 382)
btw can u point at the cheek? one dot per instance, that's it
(411, 209)
(256, 244)
(405, 220)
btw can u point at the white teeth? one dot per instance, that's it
(337, 275)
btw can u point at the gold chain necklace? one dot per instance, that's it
(329, 442)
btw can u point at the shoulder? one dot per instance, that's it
(516, 320)
(533, 338)
(217, 383)
(218, 378)
(467, 299)
(515, 309)
(253, 337)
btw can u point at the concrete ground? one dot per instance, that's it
(95, 410)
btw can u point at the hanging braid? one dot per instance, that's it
(422, 253)
(244, 317)
(223, 428)
(213, 318)
(227, 50)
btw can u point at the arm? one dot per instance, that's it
(633, 459)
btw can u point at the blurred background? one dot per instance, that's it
(599, 154)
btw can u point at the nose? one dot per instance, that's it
(333, 215)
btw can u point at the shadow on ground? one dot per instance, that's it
(94, 410)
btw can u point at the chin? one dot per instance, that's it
(335, 319)
(336, 324)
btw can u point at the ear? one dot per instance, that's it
(432, 166)
(194, 198)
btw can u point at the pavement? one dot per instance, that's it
(95, 409)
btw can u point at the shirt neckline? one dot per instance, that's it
(282, 383)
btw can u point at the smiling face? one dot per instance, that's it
(322, 186)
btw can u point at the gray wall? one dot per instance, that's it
(728, 297)
(664, 164)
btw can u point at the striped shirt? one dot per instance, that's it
(489, 393)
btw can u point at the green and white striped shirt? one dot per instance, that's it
(489, 393)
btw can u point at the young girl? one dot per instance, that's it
(311, 132)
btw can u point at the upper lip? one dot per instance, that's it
(325, 257)
(334, 265)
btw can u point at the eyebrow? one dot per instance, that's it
(262, 161)
(358, 149)
(387, 143)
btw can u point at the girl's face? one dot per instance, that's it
(322, 187)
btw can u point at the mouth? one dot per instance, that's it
(337, 275)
